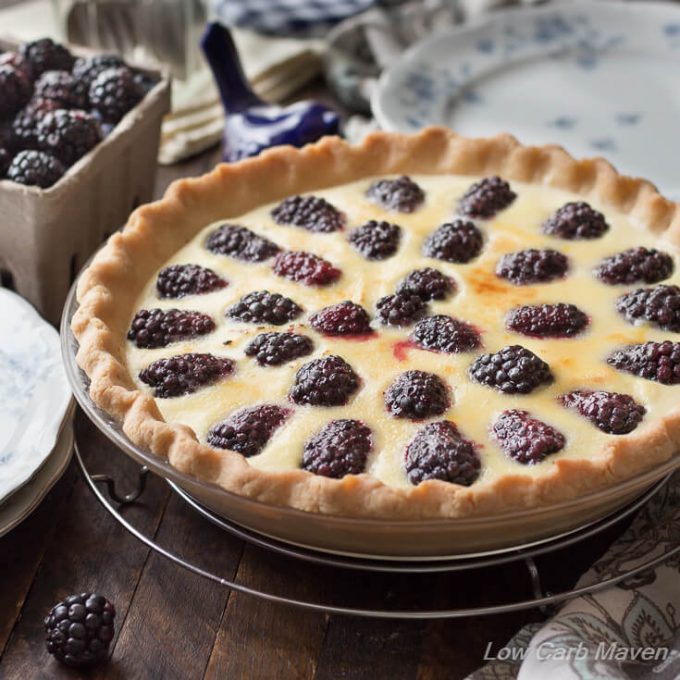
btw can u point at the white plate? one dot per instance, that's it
(34, 393)
(23, 502)
(598, 78)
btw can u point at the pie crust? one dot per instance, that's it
(109, 287)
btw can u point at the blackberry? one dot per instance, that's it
(659, 306)
(274, 349)
(486, 198)
(261, 306)
(79, 630)
(240, 243)
(160, 327)
(249, 429)
(401, 194)
(25, 123)
(345, 318)
(16, 90)
(376, 240)
(61, 87)
(114, 92)
(610, 412)
(35, 168)
(309, 212)
(340, 448)
(69, 135)
(15, 60)
(576, 220)
(439, 452)
(532, 266)
(458, 241)
(5, 160)
(180, 280)
(400, 309)
(86, 69)
(658, 361)
(416, 395)
(185, 373)
(547, 321)
(329, 381)
(443, 333)
(526, 439)
(46, 55)
(427, 284)
(306, 268)
(635, 265)
(512, 370)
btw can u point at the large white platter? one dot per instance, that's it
(597, 77)
(34, 393)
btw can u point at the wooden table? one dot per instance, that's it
(172, 624)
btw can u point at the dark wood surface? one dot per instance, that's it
(172, 624)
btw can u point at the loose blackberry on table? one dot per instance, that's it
(241, 243)
(152, 328)
(416, 395)
(635, 265)
(344, 318)
(511, 370)
(180, 280)
(306, 268)
(79, 630)
(530, 266)
(486, 198)
(376, 240)
(659, 306)
(68, 134)
(439, 452)
(274, 349)
(309, 212)
(340, 448)
(547, 321)
(526, 439)
(427, 284)
(441, 333)
(610, 412)
(35, 168)
(576, 220)
(249, 429)
(459, 242)
(401, 194)
(657, 361)
(400, 309)
(185, 373)
(261, 306)
(329, 381)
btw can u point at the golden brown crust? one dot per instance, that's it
(106, 291)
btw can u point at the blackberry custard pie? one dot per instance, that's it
(420, 327)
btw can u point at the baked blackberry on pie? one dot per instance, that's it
(417, 327)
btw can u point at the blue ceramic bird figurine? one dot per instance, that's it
(251, 124)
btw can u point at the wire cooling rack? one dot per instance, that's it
(105, 489)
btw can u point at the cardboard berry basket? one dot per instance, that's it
(46, 235)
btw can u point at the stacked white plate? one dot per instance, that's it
(36, 409)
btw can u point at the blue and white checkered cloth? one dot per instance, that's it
(288, 17)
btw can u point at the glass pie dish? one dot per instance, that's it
(427, 539)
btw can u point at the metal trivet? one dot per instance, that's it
(541, 598)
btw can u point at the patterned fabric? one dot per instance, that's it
(288, 17)
(631, 631)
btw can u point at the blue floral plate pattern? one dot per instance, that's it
(34, 392)
(598, 78)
